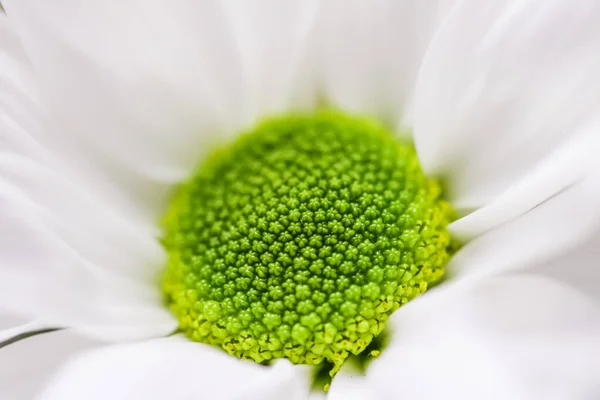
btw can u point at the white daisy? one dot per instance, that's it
(106, 108)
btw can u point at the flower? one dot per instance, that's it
(104, 109)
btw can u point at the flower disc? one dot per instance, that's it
(301, 238)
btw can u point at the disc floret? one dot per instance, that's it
(301, 238)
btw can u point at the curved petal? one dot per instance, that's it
(173, 368)
(27, 130)
(20, 105)
(504, 100)
(273, 38)
(12, 327)
(574, 162)
(579, 268)
(148, 87)
(69, 253)
(128, 89)
(43, 275)
(26, 365)
(552, 231)
(519, 337)
(370, 53)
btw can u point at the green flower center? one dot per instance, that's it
(301, 238)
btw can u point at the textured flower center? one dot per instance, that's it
(300, 239)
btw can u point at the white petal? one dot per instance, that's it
(26, 365)
(579, 268)
(27, 130)
(67, 259)
(167, 81)
(506, 102)
(68, 253)
(371, 52)
(507, 338)
(8, 321)
(21, 130)
(571, 164)
(12, 327)
(350, 385)
(273, 38)
(173, 368)
(129, 89)
(554, 229)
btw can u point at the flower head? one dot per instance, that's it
(295, 247)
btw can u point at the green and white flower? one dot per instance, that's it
(225, 199)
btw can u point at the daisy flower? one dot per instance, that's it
(248, 199)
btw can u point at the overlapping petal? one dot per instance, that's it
(556, 229)
(370, 53)
(147, 87)
(26, 366)
(173, 368)
(506, 104)
(520, 337)
(67, 253)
